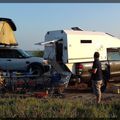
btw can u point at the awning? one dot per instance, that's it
(48, 42)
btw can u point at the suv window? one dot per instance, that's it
(24, 54)
(9, 53)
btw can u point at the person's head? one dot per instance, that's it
(96, 55)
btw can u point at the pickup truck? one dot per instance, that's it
(110, 69)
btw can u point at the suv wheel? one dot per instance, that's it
(36, 70)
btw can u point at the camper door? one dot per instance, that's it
(49, 53)
(54, 50)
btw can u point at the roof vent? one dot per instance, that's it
(76, 28)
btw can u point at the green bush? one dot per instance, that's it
(36, 53)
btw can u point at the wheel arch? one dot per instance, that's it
(35, 64)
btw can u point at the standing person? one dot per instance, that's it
(97, 77)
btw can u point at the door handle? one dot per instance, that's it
(9, 60)
(27, 62)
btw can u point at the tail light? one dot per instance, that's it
(79, 68)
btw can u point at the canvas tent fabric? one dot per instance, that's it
(10, 22)
(7, 36)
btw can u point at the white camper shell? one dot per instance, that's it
(71, 46)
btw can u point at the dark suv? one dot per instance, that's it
(15, 59)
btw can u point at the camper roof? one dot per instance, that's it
(80, 32)
(85, 32)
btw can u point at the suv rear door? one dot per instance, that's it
(3, 61)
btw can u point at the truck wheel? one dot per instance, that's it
(36, 70)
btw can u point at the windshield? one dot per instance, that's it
(24, 54)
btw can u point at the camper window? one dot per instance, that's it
(86, 41)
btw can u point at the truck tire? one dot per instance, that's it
(36, 70)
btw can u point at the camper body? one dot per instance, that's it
(74, 46)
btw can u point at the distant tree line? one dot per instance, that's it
(36, 53)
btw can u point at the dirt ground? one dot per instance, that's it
(87, 95)
(77, 92)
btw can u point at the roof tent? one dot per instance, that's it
(7, 28)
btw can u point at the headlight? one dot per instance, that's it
(45, 62)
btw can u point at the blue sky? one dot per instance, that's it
(33, 20)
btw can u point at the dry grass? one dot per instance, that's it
(56, 108)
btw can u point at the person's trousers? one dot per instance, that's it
(97, 88)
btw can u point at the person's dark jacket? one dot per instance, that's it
(98, 75)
